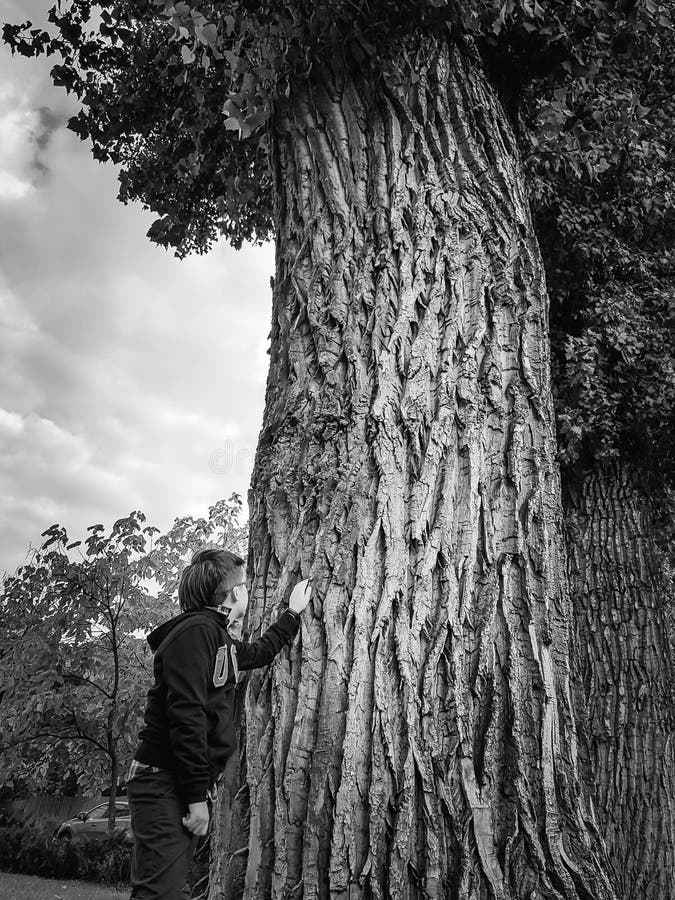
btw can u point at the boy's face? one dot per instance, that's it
(236, 598)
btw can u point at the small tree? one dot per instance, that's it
(74, 664)
(73, 672)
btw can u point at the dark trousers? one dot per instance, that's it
(163, 847)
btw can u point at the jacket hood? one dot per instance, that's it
(158, 634)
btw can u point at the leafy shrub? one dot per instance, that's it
(107, 861)
(12, 835)
(27, 850)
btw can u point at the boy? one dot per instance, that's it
(189, 733)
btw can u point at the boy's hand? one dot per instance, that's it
(300, 596)
(197, 819)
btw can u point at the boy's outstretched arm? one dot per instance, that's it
(254, 654)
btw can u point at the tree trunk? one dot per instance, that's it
(418, 741)
(625, 666)
(112, 803)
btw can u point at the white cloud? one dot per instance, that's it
(10, 422)
(17, 126)
(12, 316)
(11, 187)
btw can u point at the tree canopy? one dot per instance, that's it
(182, 96)
(179, 94)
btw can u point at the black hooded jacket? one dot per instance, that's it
(188, 719)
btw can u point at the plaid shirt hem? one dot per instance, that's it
(136, 768)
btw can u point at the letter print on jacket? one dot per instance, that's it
(221, 667)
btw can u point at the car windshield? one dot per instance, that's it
(98, 812)
(101, 812)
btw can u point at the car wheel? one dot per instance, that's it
(66, 834)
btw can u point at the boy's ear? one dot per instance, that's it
(220, 595)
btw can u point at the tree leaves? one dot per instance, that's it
(74, 665)
(601, 185)
(179, 95)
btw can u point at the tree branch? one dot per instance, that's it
(88, 681)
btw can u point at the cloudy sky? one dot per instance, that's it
(128, 379)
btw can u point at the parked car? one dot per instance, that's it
(94, 823)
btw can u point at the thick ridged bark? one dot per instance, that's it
(624, 664)
(418, 740)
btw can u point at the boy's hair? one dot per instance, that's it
(207, 569)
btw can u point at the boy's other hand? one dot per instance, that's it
(300, 596)
(197, 819)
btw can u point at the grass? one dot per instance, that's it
(28, 887)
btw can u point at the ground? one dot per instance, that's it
(27, 887)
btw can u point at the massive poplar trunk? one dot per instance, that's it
(418, 740)
(625, 668)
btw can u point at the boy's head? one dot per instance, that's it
(214, 577)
